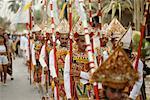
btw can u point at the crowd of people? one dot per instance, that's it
(61, 67)
(49, 67)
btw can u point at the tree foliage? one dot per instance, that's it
(13, 5)
(145, 45)
(116, 5)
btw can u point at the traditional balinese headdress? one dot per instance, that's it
(78, 29)
(63, 27)
(116, 71)
(126, 40)
(116, 28)
(47, 30)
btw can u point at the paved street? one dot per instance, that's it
(19, 88)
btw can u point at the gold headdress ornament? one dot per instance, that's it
(78, 28)
(47, 29)
(116, 71)
(126, 39)
(63, 27)
(116, 28)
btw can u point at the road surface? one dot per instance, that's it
(19, 88)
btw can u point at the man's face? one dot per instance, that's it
(50, 38)
(6, 36)
(113, 94)
(81, 43)
(37, 35)
(1, 40)
(104, 41)
(63, 40)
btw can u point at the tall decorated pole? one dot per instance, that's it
(71, 41)
(47, 78)
(29, 28)
(54, 42)
(99, 14)
(142, 34)
(90, 12)
(91, 23)
(100, 20)
(92, 44)
(82, 14)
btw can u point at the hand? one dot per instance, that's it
(45, 68)
(75, 73)
(56, 80)
(125, 96)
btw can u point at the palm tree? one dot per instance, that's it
(14, 5)
(1, 4)
(138, 13)
(114, 6)
(4, 22)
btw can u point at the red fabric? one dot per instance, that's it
(140, 46)
(96, 92)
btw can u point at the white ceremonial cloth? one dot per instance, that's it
(138, 84)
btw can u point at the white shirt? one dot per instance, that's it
(2, 48)
(51, 64)
(23, 42)
(138, 84)
(83, 75)
(42, 57)
(33, 55)
(27, 50)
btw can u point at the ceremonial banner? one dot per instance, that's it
(126, 40)
(22, 15)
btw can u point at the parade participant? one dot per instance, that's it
(35, 50)
(136, 89)
(126, 45)
(63, 31)
(81, 87)
(49, 42)
(44, 60)
(116, 73)
(3, 57)
(24, 42)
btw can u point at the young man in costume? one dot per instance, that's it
(80, 69)
(134, 93)
(35, 51)
(44, 60)
(62, 31)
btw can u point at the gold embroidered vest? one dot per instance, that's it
(37, 48)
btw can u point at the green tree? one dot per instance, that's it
(5, 23)
(14, 5)
(114, 6)
(145, 46)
